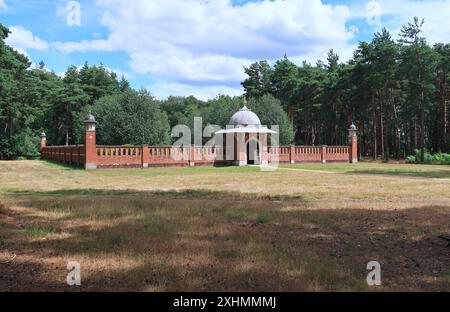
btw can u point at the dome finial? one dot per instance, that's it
(245, 103)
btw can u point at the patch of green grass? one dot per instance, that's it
(237, 214)
(58, 166)
(157, 228)
(169, 171)
(377, 168)
(39, 232)
(436, 174)
(321, 167)
(310, 197)
(261, 219)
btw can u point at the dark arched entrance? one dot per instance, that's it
(252, 152)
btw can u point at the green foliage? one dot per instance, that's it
(270, 111)
(22, 144)
(436, 159)
(411, 159)
(33, 100)
(396, 92)
(259, 81)
(128, 118)
(218, 112)
(182, 110)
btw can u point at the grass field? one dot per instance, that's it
(301, 228)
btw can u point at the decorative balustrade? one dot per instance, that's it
(119, 156)
(338, 153)
(161, 156)
(298, 154)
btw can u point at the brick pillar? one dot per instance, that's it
(192, 156)
(291, 154)
(353, 142)
(145, 156)
(90, 144)
(323, 154)
(43, 142)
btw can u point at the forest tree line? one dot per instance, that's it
(395, 91)
(35, 100)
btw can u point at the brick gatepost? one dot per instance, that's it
(353, 141)
(43, 142)
(90, 144)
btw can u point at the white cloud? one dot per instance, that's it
(3, 5)
(397, 13)
(207, 43)
(201, 46)
(165, 89)
(22, 39)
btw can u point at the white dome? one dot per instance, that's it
(245, 117)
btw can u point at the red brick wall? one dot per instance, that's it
(309, 154)
(167, 156)
(71, 155)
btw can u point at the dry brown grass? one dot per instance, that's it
(302, 228)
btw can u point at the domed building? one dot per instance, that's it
(245, 139)
(245, 118)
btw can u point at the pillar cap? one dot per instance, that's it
(43, 135)
(90, 119)
(353, 127)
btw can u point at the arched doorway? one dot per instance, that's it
(253, 152)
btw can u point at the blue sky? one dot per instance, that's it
(199, 47)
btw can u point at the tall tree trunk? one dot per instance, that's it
(397, 132)
(386, 141)
(291, 114)
(415, 134)
(446, 118)
(422, 135)
(382, 134)
(10, 123)
(374, 125)
(67, 125)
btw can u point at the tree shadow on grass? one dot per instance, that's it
(186, 193)
(218, 241)
(60, 165)
(436, 174)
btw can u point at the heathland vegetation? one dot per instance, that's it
(396, 92)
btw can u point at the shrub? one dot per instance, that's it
(437, 158)
(411, 159)
(23, 144)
